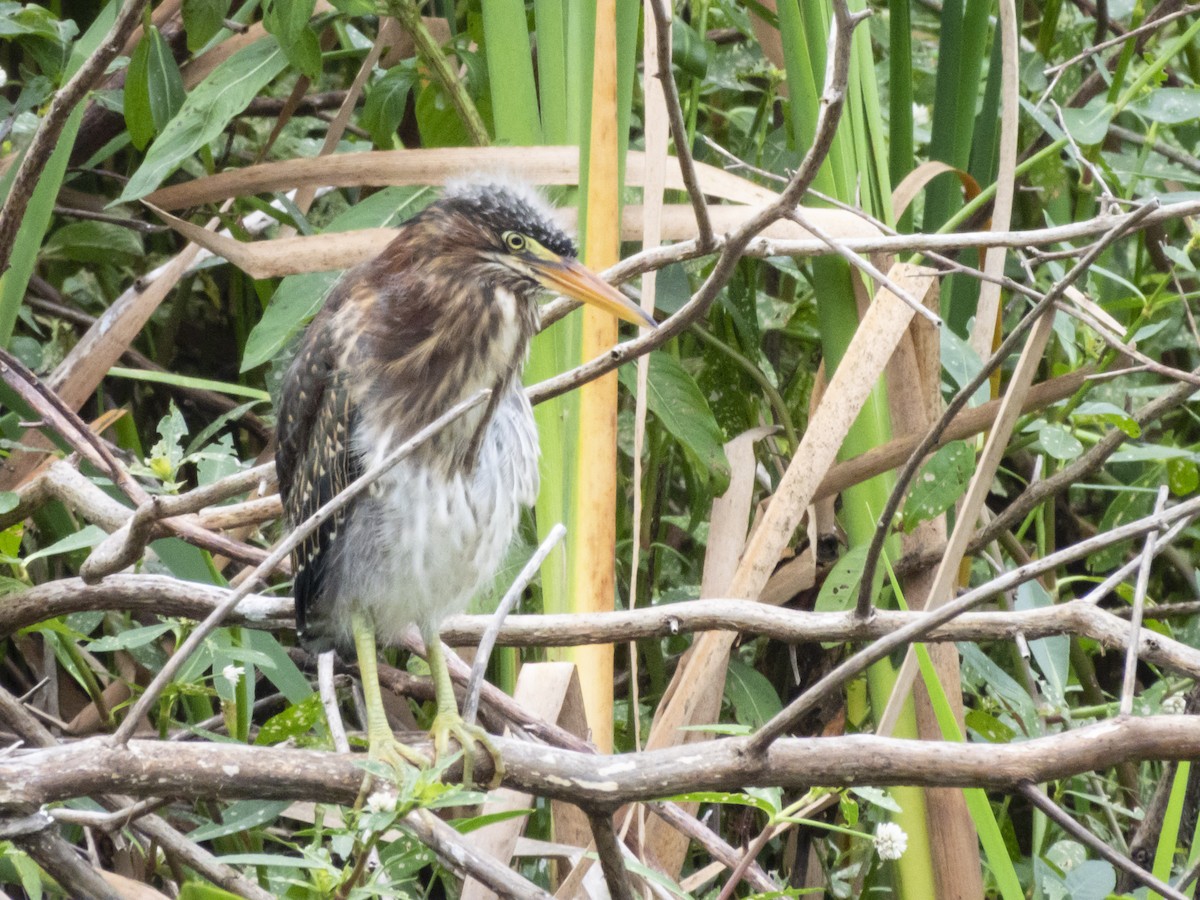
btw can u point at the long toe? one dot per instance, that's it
(467, 736)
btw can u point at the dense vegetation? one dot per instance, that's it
(1065, 157)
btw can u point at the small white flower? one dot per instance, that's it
(232, 673)
(382, 801)
(1175, 705)
(920, 114)
(890, 841)
(3, 78)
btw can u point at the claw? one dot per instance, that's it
(448, 725)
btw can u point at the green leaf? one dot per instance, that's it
(726, 798)
(154, 89)
(1109, 414)
(202, 19)
(8, 501)
(1092, 879)
(754, 699)
(941, 482)
(876, 797)
(139, 120)
(1182, 477)
(206, 112)
(1089, 124)
(240, 816)
(293, 721)
(88, 536)
(45, 38)
(841, 584)
(1050, 654)
(676, 401)
(384, 107)
(1168, 105)
(96, 243)
(287, 20)
(32, 231)
(1058, 442)
(133, 637)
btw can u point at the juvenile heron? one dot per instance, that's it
(447, 309)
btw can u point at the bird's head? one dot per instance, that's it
(506, 233)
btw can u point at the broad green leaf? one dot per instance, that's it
(1089, 124)
(287, 20)
(1050, 654)
(754, 699)
(1149, 453)
(202, 19)
(154, 89)
(139, 120)
(1124, 508)
(942, 481)
(384, 107)
(1168, 105)
(1092, 879)
(95, 242)
(292, 722)
(676, 401)
(88, 536)
(1058, 442)
(133, 637)
(240, 816)
(876, 797)
(8, 501)
(1182, 477)
(45, 38)
(32, 231)
(726, 798)
(206, 112)
(1108, 413)
(841, 584)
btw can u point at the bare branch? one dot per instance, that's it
(231, 771)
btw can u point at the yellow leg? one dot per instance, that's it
(448, 723)
(381, 741)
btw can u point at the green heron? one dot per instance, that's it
(446, 310)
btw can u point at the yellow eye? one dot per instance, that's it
(514, 241)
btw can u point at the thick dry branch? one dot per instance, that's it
(160, 594)
(232, 771)
(169, 596)
(793, 626)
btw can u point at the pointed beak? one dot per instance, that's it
(571, 279)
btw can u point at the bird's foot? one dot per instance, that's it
(395, 756)
(447, 725)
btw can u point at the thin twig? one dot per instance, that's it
(281, 551)
(679, 132)
(1139, 601)
(1034, 795)
(1154, 25)
(909, 472)
(409, 16)
(488, 639)
(865, 266)
(612, 860)
(859, 662)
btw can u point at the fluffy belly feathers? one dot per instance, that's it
(425, 543)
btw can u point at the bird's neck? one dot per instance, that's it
(464, 354)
